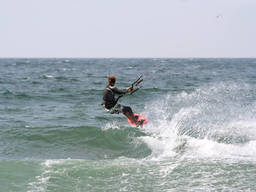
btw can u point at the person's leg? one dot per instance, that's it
(116, 109)
(127, 111)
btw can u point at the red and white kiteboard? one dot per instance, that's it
(140, 118)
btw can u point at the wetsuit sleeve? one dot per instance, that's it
(119, 91)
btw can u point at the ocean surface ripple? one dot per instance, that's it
(55, 135)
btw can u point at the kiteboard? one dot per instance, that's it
(140, 118)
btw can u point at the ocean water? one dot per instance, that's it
(56, 137)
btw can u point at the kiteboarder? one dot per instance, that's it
(110, 102)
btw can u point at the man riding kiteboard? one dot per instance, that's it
(110, 102)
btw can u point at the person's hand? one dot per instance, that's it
(130, 89)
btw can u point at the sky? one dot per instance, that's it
(127, 28)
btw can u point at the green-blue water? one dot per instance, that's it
(56, 137)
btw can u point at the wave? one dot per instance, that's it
(216, 121)
(19, 95)
(219, 115)
(84, 142)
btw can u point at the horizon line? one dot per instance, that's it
(128, 57)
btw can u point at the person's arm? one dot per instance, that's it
(119, 91)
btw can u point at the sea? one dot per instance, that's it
(56, 137)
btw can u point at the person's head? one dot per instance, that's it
(111, 80)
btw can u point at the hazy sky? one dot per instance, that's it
(127, 28)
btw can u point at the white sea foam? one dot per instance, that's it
(111, 125)
(48, 172)
(211, 122)
(46, 76)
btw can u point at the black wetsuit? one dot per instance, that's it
(110, 103)
(109, 99)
